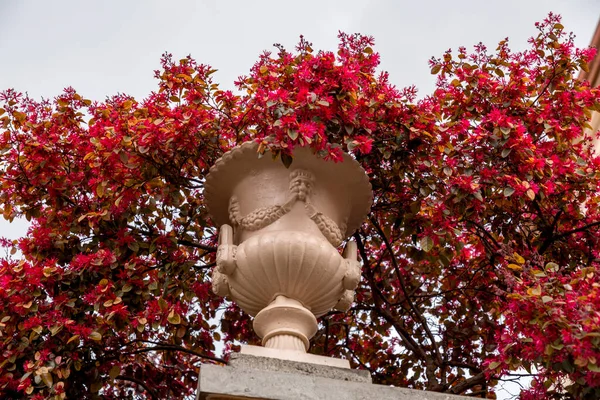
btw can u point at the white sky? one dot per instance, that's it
(105, 47)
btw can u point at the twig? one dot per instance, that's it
(172, 347)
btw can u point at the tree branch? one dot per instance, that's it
(141, 383)
(407, 340)
(563, 235)
(469, 383)
(462, 365)
(210, 249)
(405, 291)
(484, 231)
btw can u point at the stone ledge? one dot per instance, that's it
(242, 382)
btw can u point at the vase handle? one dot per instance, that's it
(352, 276)
(226, 251)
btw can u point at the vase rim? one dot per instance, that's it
(224, 175)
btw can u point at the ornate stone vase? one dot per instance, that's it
(280, 229)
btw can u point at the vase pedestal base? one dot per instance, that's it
(290, 355)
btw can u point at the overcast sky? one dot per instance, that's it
(106, 47)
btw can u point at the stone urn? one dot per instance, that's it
(280, 230)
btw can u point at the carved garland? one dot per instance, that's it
(301, 182)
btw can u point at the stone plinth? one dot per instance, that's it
(251, 377)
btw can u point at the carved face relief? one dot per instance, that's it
(301, 184)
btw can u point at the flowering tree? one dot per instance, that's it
(480, 256)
